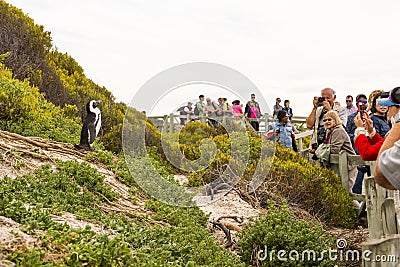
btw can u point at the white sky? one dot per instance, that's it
(289, 49)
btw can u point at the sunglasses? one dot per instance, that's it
(349, 100)
(324, 120)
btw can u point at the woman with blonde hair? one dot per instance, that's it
(372, 95)
(339, 140)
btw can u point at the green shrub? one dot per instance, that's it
(74, 188)
(25, 111)
(102, 156)
(279, 230)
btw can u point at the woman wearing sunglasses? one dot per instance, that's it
(339, 140)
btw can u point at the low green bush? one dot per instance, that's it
(278, 230)
(183, 239)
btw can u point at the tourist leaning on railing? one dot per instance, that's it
(339, 140)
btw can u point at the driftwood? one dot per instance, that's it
(226, 231)
(227, 226)
(35, 146)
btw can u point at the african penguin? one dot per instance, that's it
(91, 125)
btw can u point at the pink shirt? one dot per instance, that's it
(253, 112)
(237, 109)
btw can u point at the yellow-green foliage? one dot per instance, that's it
(25, 111)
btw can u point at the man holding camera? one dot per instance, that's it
(387, 167)
(321, 105)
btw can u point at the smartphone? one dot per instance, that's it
(362, 108)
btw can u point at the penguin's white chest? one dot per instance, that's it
(97, 121)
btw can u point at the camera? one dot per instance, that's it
(384, 94)
(320, 100)
(314, 146)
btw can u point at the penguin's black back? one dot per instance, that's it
(88, 126)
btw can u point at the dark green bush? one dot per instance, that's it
(279, 230)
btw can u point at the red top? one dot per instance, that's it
(368, 148)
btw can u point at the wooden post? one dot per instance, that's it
(389, 218)
(266, 122)
(165, 124)
(374, 197)
(300, 148)
(171, 123)
(344, 169)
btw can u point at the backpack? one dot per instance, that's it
(182, 110)
(196, 110)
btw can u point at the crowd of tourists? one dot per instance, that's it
(211, 109)
(369, 127)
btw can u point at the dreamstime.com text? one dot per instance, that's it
(338, 254)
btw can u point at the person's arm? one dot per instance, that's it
(187, 110)
(216, 107)
(311, 118)
(336, 141)
(274, 113)
(391, 138)
(247, 110)
(203, 108)
(294, 145)
(259, 109)
(367, 151)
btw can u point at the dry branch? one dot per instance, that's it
(226, 231)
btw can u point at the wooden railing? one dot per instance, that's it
(171, 123)
(381, 206)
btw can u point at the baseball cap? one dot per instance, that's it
(393, 98)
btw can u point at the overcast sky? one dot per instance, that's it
(289, 49)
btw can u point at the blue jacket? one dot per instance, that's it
(285, 133)
(351, 127)
(381, 125)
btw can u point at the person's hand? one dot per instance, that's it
(358, 121)
(327, 105)
(315, 101)
(369, 124)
